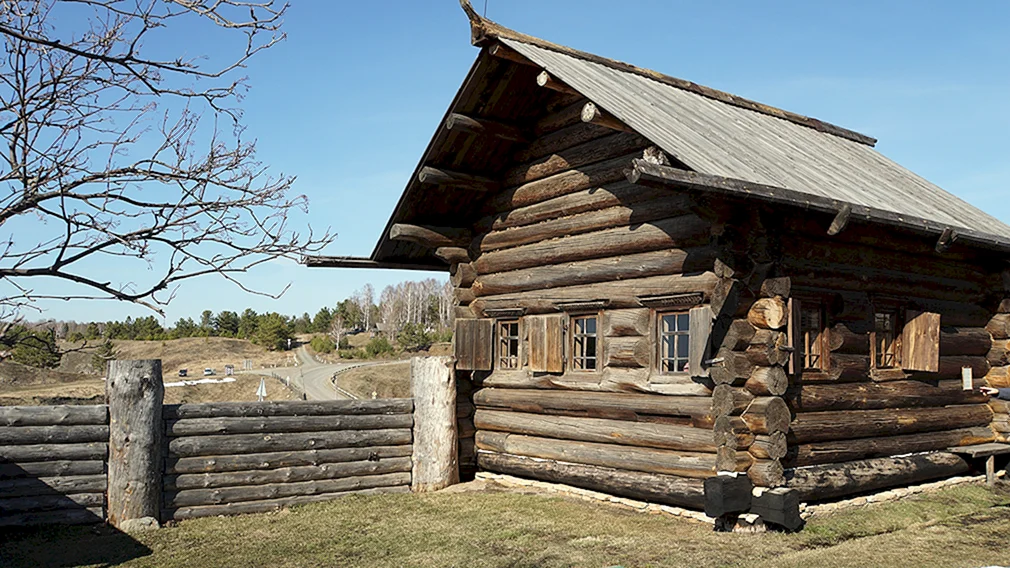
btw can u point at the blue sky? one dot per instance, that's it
(350, 100)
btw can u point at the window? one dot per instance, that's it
(584, 343)
(674, 342)
(812, 337)
(508, 344)
(885, 345)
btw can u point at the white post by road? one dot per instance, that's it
(435, 456)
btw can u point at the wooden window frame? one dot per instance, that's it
(573, 337)
(822, 340)
(661, 337)
(895, 311)
(508, 362)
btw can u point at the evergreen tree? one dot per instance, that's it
(103, 354)
(273, 331)
(34, 348)
(248, 322)
(322, 321)
(226, 324)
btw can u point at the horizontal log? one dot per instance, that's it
(837, 451)
(769, 446)
(486, 128)
(621, 406)
(998, 355)
(27, 487)
(193, 446)
(768, 313)
(965, 341)
(462, 275)
(873, 396)
(288, 408)
(998, 377)
(459, 180)
(847, 424)
(570, 135)
(881, 282)
(675, 232)
(627, 352)
(569, 181)
(950, 367)
(222, 495)
(684, 464)
(287, 474)
(652, 487)
(999, 326)
(767, 473)
(566, 116)
(767, 415)
(275, 460)
(545, 80)
(737, 335)
(284, 424)
(644, 434)
(767, 381)
(50, 502)
(822, 482)
(16, 435)
(453, 255)
(608, 380)
(580, 223)
(999, 406)
(46, 452)
(728, 400)
(589, 152)
(842, 368)
(730, 460)
(850, 337)
(732, 432)
(731, 367)
(622, 294)
(598, 198)
(600, 270)
(75, 516)
(431, 237)
(66, 415)
(52, 468)
(626, 323)
(267, 505)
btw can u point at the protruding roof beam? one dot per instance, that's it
(360, 262)
(453, 255)
(545, 80)
(450, 178)
(502, 51)
(947, 238)
(593, 114)
(841, 220)
(431, 237)
(484, 127)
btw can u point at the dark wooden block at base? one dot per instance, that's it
(726, 494)
(780, 506)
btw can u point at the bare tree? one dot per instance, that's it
(125, 170)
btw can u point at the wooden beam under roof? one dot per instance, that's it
(502, 51)
(320, 261)
(429, 236)
(545, 80)
(593, 114)
(449, 178)
(484, 127)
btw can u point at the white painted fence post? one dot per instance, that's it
(136, 431)
(435, 460)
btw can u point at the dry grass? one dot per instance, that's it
(386, 380)
(21, 385)
(964, 526)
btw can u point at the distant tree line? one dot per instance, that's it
(414, 313)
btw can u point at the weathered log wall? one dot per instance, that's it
(53, 463)
(229, 458)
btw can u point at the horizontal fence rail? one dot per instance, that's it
(53, 464)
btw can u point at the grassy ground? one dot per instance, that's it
(963, 526)
(75, 382)
(388, 380)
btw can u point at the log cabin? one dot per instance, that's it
(661, 286)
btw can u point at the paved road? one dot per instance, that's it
(313, 377)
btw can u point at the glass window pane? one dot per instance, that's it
(682, 345)
(591, 325)
(590, 347)
(683, 322)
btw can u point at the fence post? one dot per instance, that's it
(435, 460)
(136, 392)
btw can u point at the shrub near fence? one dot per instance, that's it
(228, 458)
(53, 462)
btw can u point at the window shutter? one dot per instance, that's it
(700, 331)
(474, 339)
(547, 345)
(794, 336)
(920, 342)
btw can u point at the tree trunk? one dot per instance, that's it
(436, 453)
(862, 448)
(824, 482)
(843, 425)
(595, 405)
(768, 313)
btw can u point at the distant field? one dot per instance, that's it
(75, 380)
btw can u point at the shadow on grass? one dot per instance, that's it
(94, 545)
